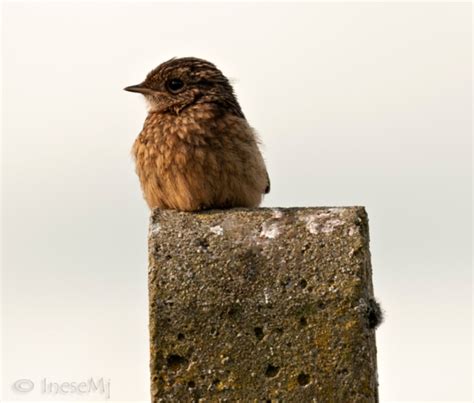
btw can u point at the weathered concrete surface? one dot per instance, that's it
(261, 305)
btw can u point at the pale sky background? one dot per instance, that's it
(357, 104)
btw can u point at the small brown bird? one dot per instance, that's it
(196, 150)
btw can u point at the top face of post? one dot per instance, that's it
(316, 220)
(261, 304)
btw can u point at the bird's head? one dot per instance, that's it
(179, 83)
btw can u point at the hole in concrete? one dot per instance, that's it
(191, 384)
(303, 379)
(285, 283)
(271, 371)
(202, 242)
(303, 283)
(303, 321)
(175, 361)
(343, 371)
(180, 336)
(258, 332)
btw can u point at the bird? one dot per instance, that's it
(196, 150)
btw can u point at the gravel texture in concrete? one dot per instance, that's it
(262, 305)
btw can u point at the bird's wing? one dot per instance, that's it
(267, 189)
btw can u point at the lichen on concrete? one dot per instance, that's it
(261, 305)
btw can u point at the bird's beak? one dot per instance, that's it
(138, 88)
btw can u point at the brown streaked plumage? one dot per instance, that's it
(196, 150)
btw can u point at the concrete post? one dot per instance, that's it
(262, 305)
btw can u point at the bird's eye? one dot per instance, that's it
(175, 85)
